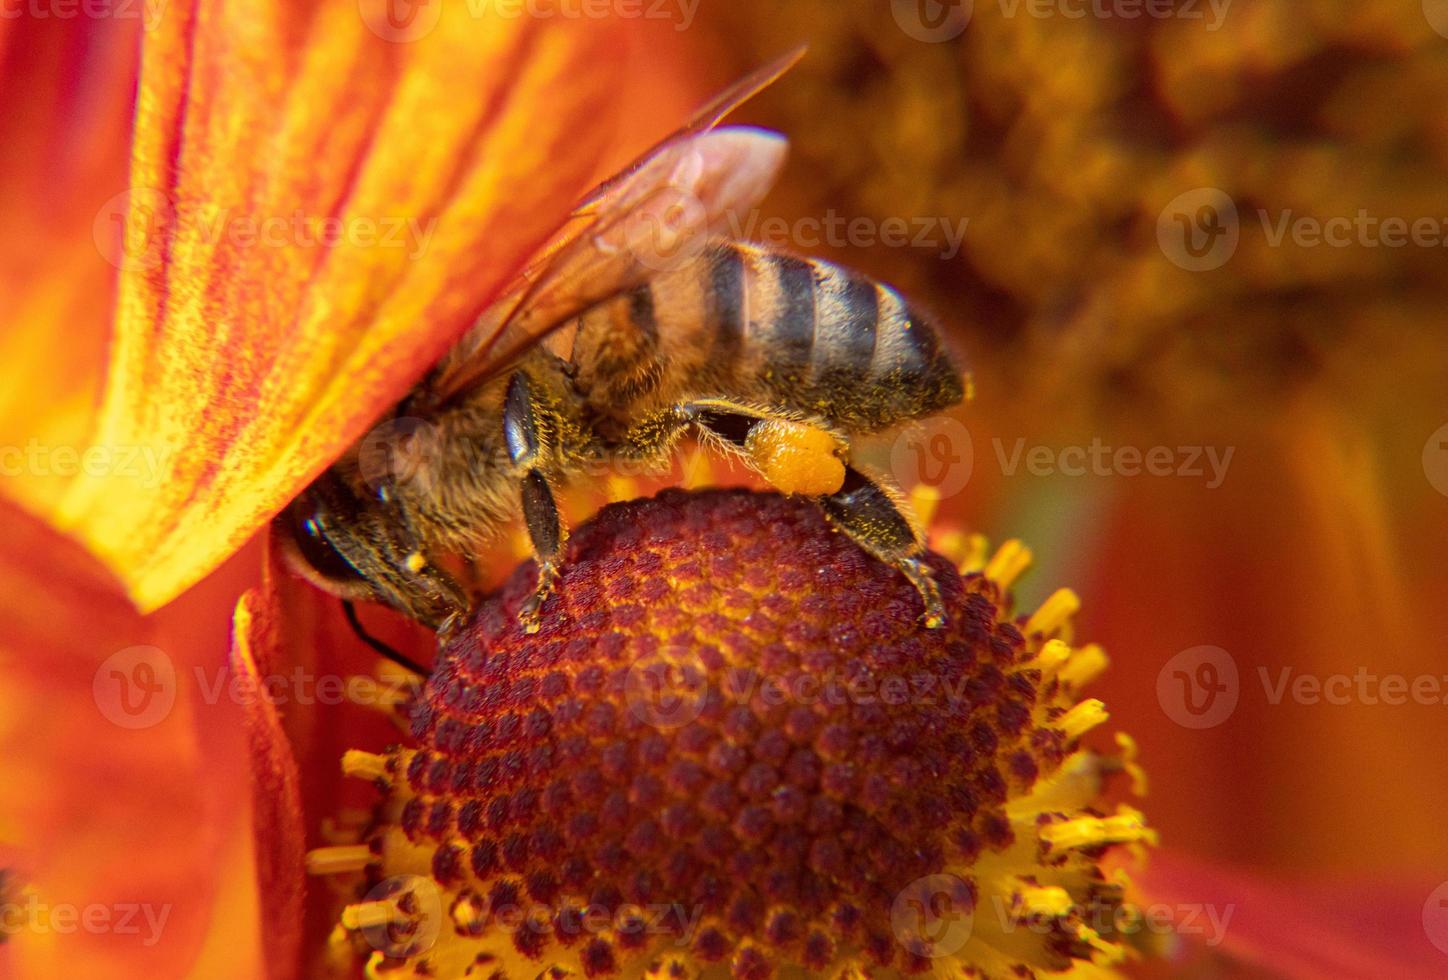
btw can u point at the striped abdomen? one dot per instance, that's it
(745, 322)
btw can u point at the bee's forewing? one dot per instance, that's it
(698, 183)
(705, 119)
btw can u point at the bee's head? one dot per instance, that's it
(309, 550)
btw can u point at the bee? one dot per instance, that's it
(642, 323)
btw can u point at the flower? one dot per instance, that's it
(733, 742)
(196, 321)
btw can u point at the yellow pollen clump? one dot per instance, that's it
(796, 458)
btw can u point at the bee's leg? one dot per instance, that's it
(863, 510)
(797, 457)
(521, 411)
(355, 547)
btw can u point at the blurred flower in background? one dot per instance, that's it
(1218, 230)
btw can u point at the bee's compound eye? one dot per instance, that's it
(318, 552)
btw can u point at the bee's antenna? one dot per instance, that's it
(402, 660)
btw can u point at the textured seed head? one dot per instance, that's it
(733, 749)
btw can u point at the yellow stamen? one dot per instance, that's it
(364, 765)
(1009, 562)
(1082, 718)
(1084, 666)
(1125, 827)
(924, 499)
(341, 859)
(1053, 612)
(1054, 653)
(1052, 901)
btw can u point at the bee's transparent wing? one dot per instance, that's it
(695, 185)
(705, 119)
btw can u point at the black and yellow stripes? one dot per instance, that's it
(745, 322)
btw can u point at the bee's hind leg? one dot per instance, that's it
(800, 457)
(872, 519)
(521, 411)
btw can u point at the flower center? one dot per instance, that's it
(733, 748)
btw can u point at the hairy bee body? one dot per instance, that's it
(743, 321)
(605, 353)
(776, 335)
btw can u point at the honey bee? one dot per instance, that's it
(641, 324)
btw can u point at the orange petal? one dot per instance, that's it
(126, 823)
(312, 655)
(276, 788)
(62, 154)
(247, 356)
